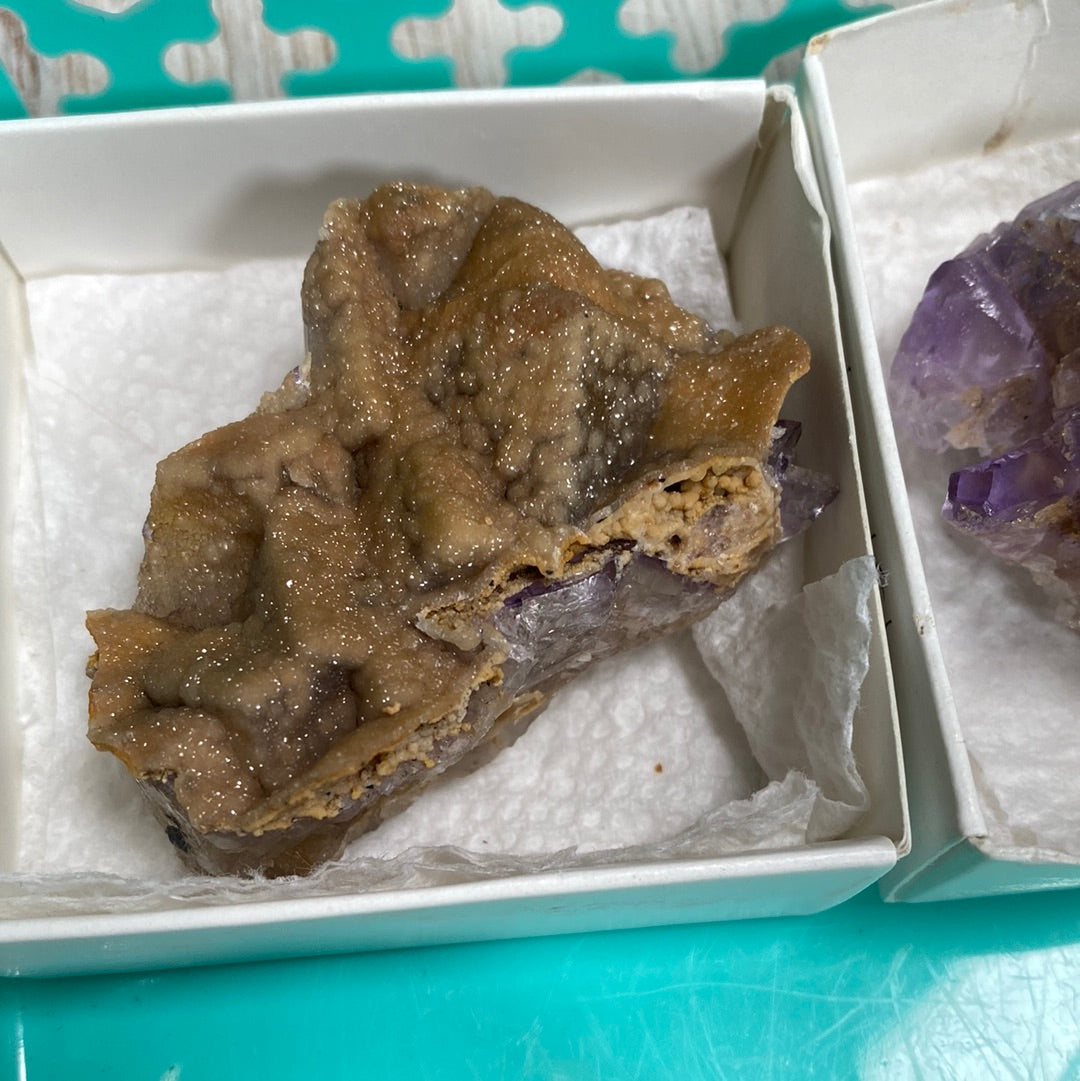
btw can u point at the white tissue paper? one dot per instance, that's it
(1014, 671)
(641, 758)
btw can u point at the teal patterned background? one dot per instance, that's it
(124, 44)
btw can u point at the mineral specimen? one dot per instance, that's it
(498, 464)
(991, 361)
(1025, 506)
(993, 348)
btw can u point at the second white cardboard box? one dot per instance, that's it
(930, 126)
(193, 189)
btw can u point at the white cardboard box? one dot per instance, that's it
(937, 95)
(203, 188)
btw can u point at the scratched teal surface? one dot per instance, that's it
(980, 990)
(131, 46)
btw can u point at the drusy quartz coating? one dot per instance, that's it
(991, 361)
(499, 463)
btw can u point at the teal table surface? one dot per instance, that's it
(981, 989)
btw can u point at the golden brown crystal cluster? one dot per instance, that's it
(498, 463)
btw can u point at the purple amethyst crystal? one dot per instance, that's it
(991, 351)
(804, 493)
(1024, 505)
(992, 360)
(549, 624)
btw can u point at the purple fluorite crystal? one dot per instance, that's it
(1025, 506)
(993, 348)
(992, 360)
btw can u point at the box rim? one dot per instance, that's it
(844, 854)
(785, 97)
(877, 853)
(695, 89)
(862, 347)
(107, 942)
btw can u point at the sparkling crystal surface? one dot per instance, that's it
(501, 462)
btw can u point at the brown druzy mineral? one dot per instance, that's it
(498, 463)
